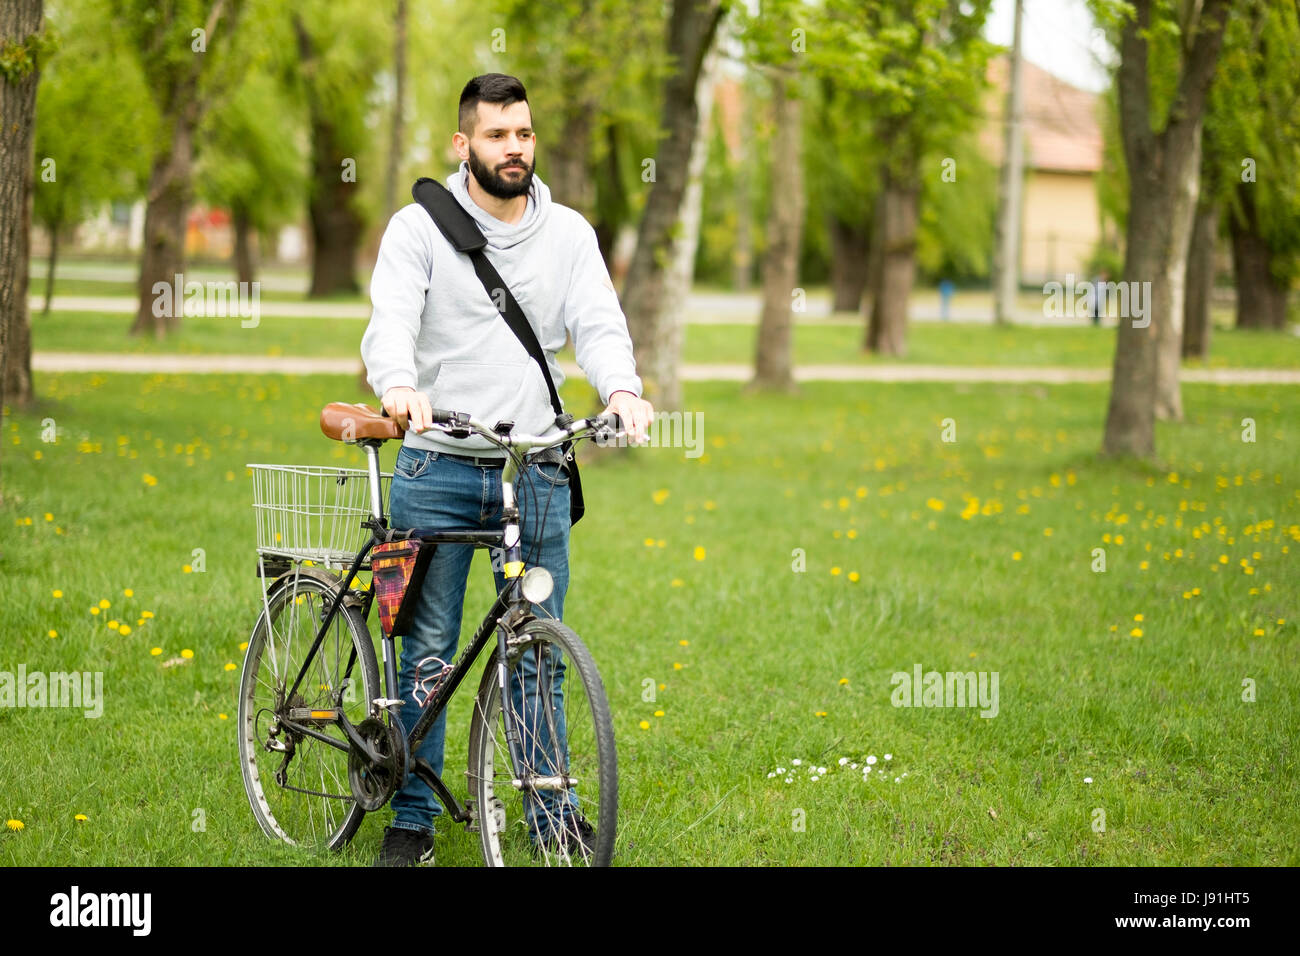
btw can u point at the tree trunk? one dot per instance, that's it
(682, 273)
(1261, 299)
(335, 226)
(245, 263)
(690, 34)
(1164, 168)
(1006, 250)
(742, 257)
(772, 361)
(896, 266)
(1200, 282)
(18, 21)
(849, 247)
(1169, 290)
(569, 176)
(399, 118)
(50, 269)
(163, 257)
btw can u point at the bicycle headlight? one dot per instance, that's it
(537, 585)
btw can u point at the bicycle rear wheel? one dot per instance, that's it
(551, 797)
(311, 805)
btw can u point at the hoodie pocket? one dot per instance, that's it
(493, 392)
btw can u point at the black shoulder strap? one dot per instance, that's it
(464, 235)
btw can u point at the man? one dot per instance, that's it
(436, 340)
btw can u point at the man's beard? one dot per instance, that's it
(496, 184)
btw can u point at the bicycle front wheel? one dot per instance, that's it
(298, 785)
(542, 764)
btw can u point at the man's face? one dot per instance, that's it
(500, 153)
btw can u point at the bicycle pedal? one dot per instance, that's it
(307, 713)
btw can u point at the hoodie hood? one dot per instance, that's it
(501, 235)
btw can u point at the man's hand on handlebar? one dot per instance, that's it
(636, 414)
(408, 407)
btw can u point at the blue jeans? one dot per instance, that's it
(437, 493)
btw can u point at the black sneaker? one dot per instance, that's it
(403, 847)
(576, 840)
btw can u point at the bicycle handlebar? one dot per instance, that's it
(462, 425)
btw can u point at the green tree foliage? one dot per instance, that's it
(1253, 125)
(95, 121)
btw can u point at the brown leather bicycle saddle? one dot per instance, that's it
(343, 421)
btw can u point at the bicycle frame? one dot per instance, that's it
(508, 611)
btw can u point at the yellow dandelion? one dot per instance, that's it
(94, 610)
(1196, 591)
(222, 717)
(139, 622)
(843, 681)
(699, 553)
(1223, 559)
(187, 570)
(659, 713)
(229, 666)
(660, 496)
(128, 592)
(1114, 628)
(155, 651)
(81, 818)
(104, 603)
(676, 666)
(112, 625)
(645, 725)
(1144, 565)
(146, 614)
(1047, 532)
(649, 542)
(934, 504)
(187, 653)
(820, 713)
(851, 533)
(854, 576)
(14, 825)
(684, 643)
(1015, 555)
(835, 571)
(243, 645)
(676, 583)
(1136, 632)
(57, 593)
(54, 633)
(1137, 617)
(661, 543)
(663, 686)
(124, 629)
(1259, 632)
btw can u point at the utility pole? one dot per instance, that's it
(1006, 256)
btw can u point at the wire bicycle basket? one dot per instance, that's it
(312, 512)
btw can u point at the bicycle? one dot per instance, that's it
(320, 743)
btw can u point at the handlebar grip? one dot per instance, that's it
(442, 417)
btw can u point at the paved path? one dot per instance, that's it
(702, 308)
(286, 365)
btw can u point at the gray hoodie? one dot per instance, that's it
(434, 328)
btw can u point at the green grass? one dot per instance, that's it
(775, 663)
(814, 343)
(962, 343)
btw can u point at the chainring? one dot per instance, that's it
(373, 784)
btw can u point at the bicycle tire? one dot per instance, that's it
(506, 834)
(315, 822)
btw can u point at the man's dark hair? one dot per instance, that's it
(488, 88)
